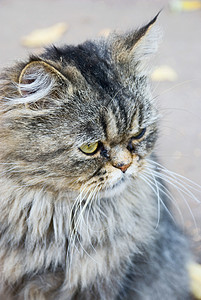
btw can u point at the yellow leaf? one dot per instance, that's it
(195, 276)
(178, 5)
(45, 36)
(164, 73)
(104, 32)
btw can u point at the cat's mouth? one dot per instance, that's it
(115, 188)
(118, 183)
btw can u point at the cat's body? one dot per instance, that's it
(79, 216)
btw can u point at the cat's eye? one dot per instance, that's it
(139, 134)
(90, 149)
(136, 136)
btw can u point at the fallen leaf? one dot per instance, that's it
(178, 5)
(104, 32)
(43, 37)
(195, 275)
(164, 73)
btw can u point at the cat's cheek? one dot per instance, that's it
(114, 174)
(107, 177)
(133, 170)
(111, 181)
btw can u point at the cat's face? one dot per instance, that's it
(81, 118)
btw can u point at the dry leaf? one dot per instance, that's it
(164, 73)
(44, 37)
(195, 275)
(178, 5)
(104, 32)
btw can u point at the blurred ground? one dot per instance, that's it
(179, 146)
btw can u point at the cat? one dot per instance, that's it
(84, 213)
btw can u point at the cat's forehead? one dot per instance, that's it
(105, 96)
(94, 65)
(111, 122)
(103, 105)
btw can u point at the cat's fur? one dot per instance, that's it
(77, 226)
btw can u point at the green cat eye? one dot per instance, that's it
(89, 148)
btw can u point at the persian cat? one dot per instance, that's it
(84, 211)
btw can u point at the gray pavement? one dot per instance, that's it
(179, 146)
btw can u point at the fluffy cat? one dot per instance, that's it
(83, 210)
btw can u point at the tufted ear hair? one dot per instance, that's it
(37, 80)
(131, 52)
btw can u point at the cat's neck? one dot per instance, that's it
(39, 208)
(39, 218)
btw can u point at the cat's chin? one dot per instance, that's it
(116, 189)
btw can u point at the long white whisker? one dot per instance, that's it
(150, 184)
(72, 238)
(97, 188)
(177, 176)
(166, 192)
(170, 197)
(179, 190)
(158, 197)
(178, 186)
(78, 224)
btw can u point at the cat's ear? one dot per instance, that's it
(37, 80)
(131, 52)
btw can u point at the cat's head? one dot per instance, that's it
(80, 117)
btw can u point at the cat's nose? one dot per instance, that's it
(123, 167)
(120, 158)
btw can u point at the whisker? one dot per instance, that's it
(179, 185)
(78, 224)
(177, 176)
(170, 197)
(11, 163)
(150, 184)
(166, 192)
(178, 189)
(176, 86)
(73, 234)
(97, 188)
(158, 197)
